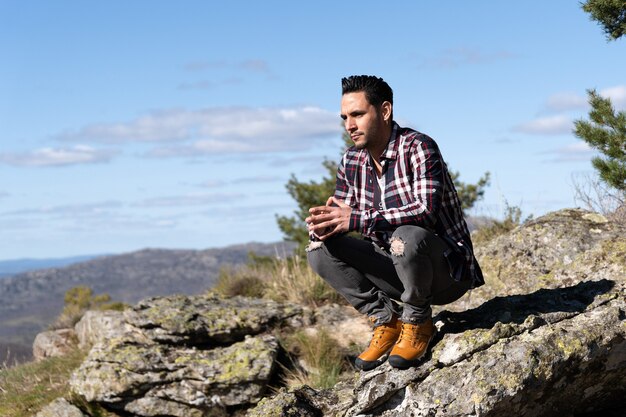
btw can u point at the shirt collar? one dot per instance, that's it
(391, 151)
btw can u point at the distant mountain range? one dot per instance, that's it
(30, 301)
(16, 266)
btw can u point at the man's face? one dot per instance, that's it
(363, 121)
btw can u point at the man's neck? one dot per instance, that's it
(379, 147)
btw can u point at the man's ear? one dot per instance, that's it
(386, 110)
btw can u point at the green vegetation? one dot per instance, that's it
(27, 388)
(606, 132)
(606, 129)
(80, 299)
(469, 194)
(610, 14)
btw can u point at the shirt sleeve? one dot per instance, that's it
(424, 198)
(344, 191)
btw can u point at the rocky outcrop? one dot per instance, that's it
(184, 355)
(552, 251)
(54, 343)
(553, 343)
(546, 336)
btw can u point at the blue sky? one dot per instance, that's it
(126, 125)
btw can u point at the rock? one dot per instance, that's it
(344, 324)
(303, 401)
(545, 336)
(206, 320)
(559, 249)
(54, 343)
(549, 337)
(96, 326)
(60, 408)
(185, 355)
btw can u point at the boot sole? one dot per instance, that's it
(369, 365)
(399, 362)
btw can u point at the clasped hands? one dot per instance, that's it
(329, 220)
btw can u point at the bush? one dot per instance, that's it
(80, 299)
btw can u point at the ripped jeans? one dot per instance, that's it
(414, 272)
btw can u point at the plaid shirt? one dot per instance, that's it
(418, 191)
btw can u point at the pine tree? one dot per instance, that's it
(610, 14)
(606, 132)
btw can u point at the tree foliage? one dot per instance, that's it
(313, 193)
(469, 194)
(610, 14)
(606, 132)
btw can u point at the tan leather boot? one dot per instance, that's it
(383, 339)
(412, 344)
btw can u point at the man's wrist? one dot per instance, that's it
(355, 221)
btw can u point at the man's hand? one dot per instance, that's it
(329, 220)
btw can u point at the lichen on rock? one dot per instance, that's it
(183, 355)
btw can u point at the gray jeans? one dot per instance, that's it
(414, 272)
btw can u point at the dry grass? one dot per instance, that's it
(285, 280)
(25, 389)
(322, 360)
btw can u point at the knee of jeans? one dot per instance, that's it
(397, 246)
(316, 245)
(315, 255)
(407, 237)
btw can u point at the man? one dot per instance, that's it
(394, 188)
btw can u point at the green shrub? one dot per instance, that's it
(80, 299)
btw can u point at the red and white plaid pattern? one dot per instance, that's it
(418, 191)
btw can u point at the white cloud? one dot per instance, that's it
(219, 130)
(617, 95)
(551, 125)
(69, 210)
(190, 200)
(579, 151)
(43, 157)
(566, 101)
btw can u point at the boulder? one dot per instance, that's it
(60, 408)
(54, 343)
(185, 355)
(555, 250)
(96, 326)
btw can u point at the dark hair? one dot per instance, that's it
(376, 89)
